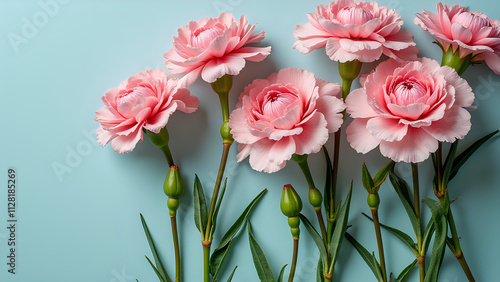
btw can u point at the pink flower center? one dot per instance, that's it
(277, 101)
(203, 36)
(133, 99)
(408, 92)
(473, 21)
(354, 15)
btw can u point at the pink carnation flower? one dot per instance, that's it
(470, 32)
(355, 31)
(214, 47)
(290, 112)
(406, 108)
(146, 100)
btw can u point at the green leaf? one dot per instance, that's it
(439, 245)
(405, 238)
(259, 259)
(328, 185)
(217, 207)
(465, 155)
(367, 179)
(402, 190)
(219, 254)
(367, 257)
(340, 228)
(402, 276)
(232, 274)
(159, 266)
(200, 206)
(282, 273)
(315, 236)
(429, 230)
(319, 271)
(382, 174)
(448, 164)
(156, 271)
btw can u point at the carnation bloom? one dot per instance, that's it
(214, 47)
(146, 100)
(290, 112)
(407, 108)
(470, 32)
(355, 31)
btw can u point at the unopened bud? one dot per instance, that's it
(290, 204)
(173, 185)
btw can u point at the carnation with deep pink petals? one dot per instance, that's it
(352, 30)
(290, 112)
(407, 108)
(146, 100)
(469, 32)
(214, 47)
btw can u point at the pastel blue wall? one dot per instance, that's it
(84, 225)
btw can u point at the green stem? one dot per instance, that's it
(335, 172)
(416, 199)
(206, 262)
(439, 167)
(168, 155)
(346, 87)
(319, 215)
(380, 245)
(294, 258)
(173, 221)
(222, 167)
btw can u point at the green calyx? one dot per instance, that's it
(159, 139)
(373, 201)
(223, 84)
(173, 185)
(349, 71)
(315, 198)
(453, 60)
(290, 203)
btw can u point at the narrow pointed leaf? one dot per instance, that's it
(402, 190)
(259, 259)
(367, 179)
(217, 207)
(405, 238)
(315, 236)
(439, 245)
(379, 275)
(429, 230)
(448, 164)
(219, 254)
(232, 274)
(366, 256)
(200, 206)
(156, 271)
(328, 184)
(282, 273)
(402, 276)
(340, 228)
(159, 264)
(465, 155)
(319, 271)
(382, 174)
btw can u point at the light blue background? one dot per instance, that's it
(85, 226)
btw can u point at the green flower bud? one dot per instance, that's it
(173, 185)
(159, 139)
(373, 201)
(223, 84)
(290, 204)
(315, 198)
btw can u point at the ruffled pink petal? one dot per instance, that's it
(159, 121)
(254, 54)
(218, 67)
(331, 107)
(354, 46)
(464, 97)
(359, 138)
(492, 60)
(126, 143)
(303, 80)
(190, 77)
(386, 129)
(271, 156)
(335, 51)
(289, 120)
(357, 105)
(461, 33)
(454, 125)
(314, 136)
(239, 128)
(103, 136)
(415, 147)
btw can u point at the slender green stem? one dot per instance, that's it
(319, 215)
(416, 199)
(206, 262)
(304, 166)
(439, 167)
(173, 221)
(335, 172)
(168, 155)
(222, 167)
(346, 87)
(380, 244)
(294, 258)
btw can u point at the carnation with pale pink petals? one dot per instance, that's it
(290, 112)
(407, 108)
(352, 30)
(214, 47)
(469, 32)
(145, 101)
